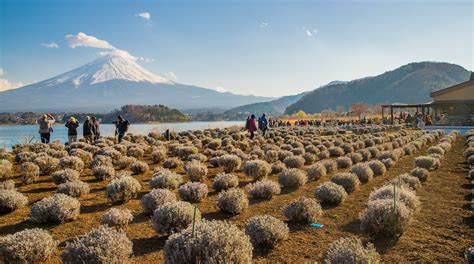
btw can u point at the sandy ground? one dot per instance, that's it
(439, 233)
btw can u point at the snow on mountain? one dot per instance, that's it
(106, 68)
(112, 81)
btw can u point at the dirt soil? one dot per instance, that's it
(439, 233)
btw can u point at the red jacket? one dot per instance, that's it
(252, 125)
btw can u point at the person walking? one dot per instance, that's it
(88, 130)
(263, 124)
(252, 126)
(121, 126)
(96, 127)
(45, 123)
(72, 124)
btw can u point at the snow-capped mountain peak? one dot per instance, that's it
(106, 68)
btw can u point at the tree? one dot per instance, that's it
(339, 110)
(301, 115)
(359, 108)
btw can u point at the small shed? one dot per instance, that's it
(456, 103)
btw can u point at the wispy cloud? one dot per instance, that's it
(6, 84)
(171, 76)
(144, 15)
(51, 45)
(263, 25)
(220, 89)
(147, 60)
(310, 32)
(83, 40)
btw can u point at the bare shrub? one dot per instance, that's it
(211, 242)
(74, 188)
(292, 178)
(336, 151)
(27, 246)
(377, 167)
(5, 169)
(343, 162)
(230, 162)
(164, 178)
(388, 163)
(232, 201)
(196, 171)
(351, 250)
(47, 165)
(294, 161)
(402, 194)
(10, 200)
(349, 181)
(271, 155)
(172, 163)
(174, 217)
(330, 165)
(303, 210)
(101, 245)
(193, 192)
(71, 162)
(278, 167)
(407, 180)
(123, 189)
(57, 208)
(135, 152)
(427, 162)
(263, 189)
(266, 230)
(66, 175)
(118, 218)
(139, 167)
(436, 150)
(316, 171)
(29, 172)
(329, 192)
(124, 162)
(155, 198)
(381, 219)
(257, 169)
(158, 156)
(363, 172)
(225, 181)
(7, 185)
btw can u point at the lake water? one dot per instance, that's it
(11, 135)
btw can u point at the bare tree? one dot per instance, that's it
(339, 110)
(359, 108)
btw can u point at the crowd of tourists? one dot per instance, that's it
(90, 128)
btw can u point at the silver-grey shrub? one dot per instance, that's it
(257, 169)
(74, 188)
(158, 156)
(377, 167)
(174, 217)
(402, 194)
(331, 193)
(123, 189)
(330, 165)
(193, 191)
(266, 230)
(164, 178)
(427, 162)
(103, 172)
(196, 171)
(211, 242)
(263, 189)
(349, 181)
(230, 162)
(336, 151)
(5, 169)
(278, 167)
(225, 181)
(381, 219)
(27, 246)
(101, 245)
(172, 163)
(71, 162)
(303, 210)
(139, 167)
(155, 198)
(420, 173)
(343, 162)
(232, 201)
(10, 200)
(388, 163)
(363, 172)
(118, 218)
(7, 185)
(57, 208)
(66, 175)
(407, 180)
(29, 172)
(294, 161)
(292, 178)
(351, 250)
(316, 171)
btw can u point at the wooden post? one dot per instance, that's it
(194, 219)
(383, 121)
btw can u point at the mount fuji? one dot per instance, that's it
(110, 82)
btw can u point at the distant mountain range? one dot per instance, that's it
(110, 82)
(411, 83)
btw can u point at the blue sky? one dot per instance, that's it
(270, 48)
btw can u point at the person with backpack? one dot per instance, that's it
(88, 130)
(252, 126)
(45, 127)
(96, 127)
(72, 124)
(121, 126)
(263, 124)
